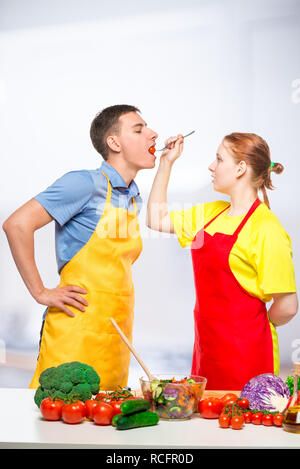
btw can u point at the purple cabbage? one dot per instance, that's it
(170, 392)
(266, 392)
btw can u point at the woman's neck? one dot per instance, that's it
(241, 202)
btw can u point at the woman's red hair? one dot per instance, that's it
(255, 151)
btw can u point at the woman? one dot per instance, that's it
(242, 259)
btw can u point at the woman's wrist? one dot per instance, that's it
(165, 164)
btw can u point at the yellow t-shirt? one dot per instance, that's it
(261, 258)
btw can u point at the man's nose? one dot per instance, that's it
(153, 134)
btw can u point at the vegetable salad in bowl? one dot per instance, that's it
(173, 398)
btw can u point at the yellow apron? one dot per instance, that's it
(103, 268)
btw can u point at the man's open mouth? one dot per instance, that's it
(152, 149)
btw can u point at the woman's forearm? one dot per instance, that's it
(157, 210)
(157, 207)
(283, 309)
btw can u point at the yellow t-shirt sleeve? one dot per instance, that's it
(272, 254)
(188, 222)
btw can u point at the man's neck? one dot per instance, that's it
(127, 173)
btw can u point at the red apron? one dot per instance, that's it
(233, 341)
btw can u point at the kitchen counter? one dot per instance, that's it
(23, 427)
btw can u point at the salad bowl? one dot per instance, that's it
(173, 397)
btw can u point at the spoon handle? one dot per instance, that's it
(187, 135)
(124, 338)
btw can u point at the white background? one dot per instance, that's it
(212, 66)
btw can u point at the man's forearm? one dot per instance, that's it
(21, 242)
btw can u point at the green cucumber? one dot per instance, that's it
(139, 419)
(157, 392)
(154, 384)
(161, 400)
(134, 405)
(175, 408)
(115, 419)
(191, 380)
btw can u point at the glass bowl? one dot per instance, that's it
(173, 396)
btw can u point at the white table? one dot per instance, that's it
(21, 426)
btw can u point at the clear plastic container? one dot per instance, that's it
(173, 397)
(291, 420)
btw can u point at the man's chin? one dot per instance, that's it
(149, 165)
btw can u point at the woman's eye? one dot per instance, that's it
(138, 132)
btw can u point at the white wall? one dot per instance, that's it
(216, 67)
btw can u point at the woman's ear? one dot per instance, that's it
(114, 145)
(242, 168)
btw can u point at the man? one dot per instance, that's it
(97, 241)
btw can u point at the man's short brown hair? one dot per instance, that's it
(106, 122)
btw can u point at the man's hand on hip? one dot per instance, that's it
(59, 297)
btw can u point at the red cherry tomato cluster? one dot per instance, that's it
(232, 411)
(99, 410)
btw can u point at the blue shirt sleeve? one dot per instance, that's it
(67, 196)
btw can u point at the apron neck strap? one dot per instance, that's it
(108, 196)
(135, 207)
(218, 214)
(253, 207)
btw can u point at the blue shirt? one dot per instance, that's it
(76, 202)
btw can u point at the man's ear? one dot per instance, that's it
(114, 145)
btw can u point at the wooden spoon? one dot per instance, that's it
(124, 338)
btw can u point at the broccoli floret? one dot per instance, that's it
(47, 377)
(69, 381)
(39, 396)
(77, 375)
(81, 391)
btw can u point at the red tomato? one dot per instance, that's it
(267, 420)
(228, 398)
(152, 150)
(256, 418)
(210, 408)
(224, 420)
(243, 403)
(103, 414)
(116, 406)
(51, 409)
(248, 417)
(103, 396)
(237, 422)
(73, 412)
(277, 420)
(90, 404)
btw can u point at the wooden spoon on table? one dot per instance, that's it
(124, 338)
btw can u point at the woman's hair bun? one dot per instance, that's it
(277, 168)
